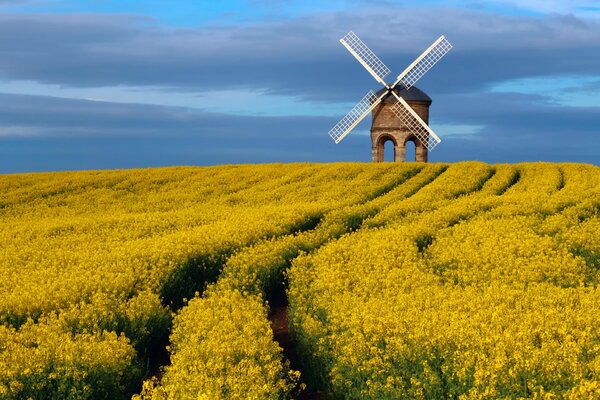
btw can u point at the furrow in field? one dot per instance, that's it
(388, 313)
(121, 293)
(457, 180)
(258, 270)
(515, 178)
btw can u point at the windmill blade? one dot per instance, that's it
(417, 126)
(361, 110)
(424, 62)
(366, 57)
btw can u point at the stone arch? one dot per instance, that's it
(408, 150)
(420, 148)
(379, 147)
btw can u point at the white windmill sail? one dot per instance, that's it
(417, 126)
(366, 57)
(357, 114)
(407, 78)
(424, 62)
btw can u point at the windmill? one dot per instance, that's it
(400, 110)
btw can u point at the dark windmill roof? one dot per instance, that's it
(412, 95)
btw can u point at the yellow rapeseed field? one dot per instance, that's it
(466, 281)
(484, 284)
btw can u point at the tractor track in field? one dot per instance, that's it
(278, 302)
(279, 318)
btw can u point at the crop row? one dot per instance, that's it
(484, 289)
(96, 261)
(222, 344)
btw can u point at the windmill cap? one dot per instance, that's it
(412, 95)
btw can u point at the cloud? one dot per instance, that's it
(128, 59)
(50, 133)
(555, 6)
(45, 133)
(300, 57)
(232, 101)
(568, 90)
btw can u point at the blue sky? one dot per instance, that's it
(116, 84)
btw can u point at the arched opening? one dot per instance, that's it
(385, 147)
(411, 150)
(389, 151)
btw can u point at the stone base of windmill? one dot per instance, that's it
(399, 140)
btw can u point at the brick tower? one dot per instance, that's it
(387, 126)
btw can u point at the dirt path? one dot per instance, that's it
(279, 318)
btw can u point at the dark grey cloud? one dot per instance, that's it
(79, 134)
(520, 128)
(300, 56)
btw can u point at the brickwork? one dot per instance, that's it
(387, 126)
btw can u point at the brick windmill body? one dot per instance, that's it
(386, 125)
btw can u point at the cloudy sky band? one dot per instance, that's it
(521, 72)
